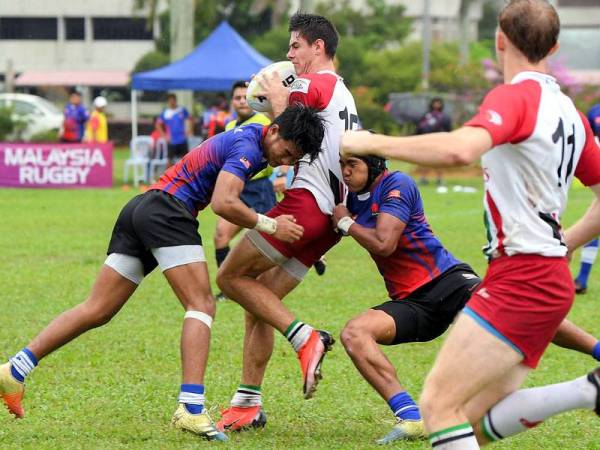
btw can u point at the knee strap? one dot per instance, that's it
(199, 315)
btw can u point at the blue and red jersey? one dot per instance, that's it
(75, 117)
(175, 119)
(420, 257)
(192, 180)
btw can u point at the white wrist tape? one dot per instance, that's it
(266, 224)
(199, 315)
(344, 225)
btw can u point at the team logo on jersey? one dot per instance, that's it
(374, 209)
(394, 194)
(245, 162)
(494, 117)
(300, 85)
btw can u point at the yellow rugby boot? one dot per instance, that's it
(11, 391)
(200, 424)
(404, 430)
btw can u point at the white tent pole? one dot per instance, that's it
(134, 113)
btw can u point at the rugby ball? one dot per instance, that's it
(286, 72)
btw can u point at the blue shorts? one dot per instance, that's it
(259, 195)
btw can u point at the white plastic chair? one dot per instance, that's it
(160, 158)
(140, 149)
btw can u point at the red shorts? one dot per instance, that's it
(318, 235)
(524, 298)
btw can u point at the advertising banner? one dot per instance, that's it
(32, 165)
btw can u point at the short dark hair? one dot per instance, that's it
(532, 26)
(238, 84)
(303, 126)
(171, 95)
(312, 27)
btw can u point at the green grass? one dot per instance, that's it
(116, 386)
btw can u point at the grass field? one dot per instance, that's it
(116, 387)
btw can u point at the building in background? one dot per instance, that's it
(93, 43)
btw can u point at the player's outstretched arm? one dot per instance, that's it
(461, 147)
(586, 228)
(381, 240)
(226, 203)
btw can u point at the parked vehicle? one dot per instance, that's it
(36, 113)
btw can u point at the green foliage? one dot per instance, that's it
(151, 60)
(372, 115)
(274, 43)
(7, 124)
(378, 26)
(399, 70)
(45, 136)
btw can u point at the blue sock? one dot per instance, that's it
(22, 364)
(404, 407)
(596, 351)
(588, 255)
(584, 274)
(192, 396)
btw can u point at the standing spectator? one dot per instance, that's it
(75, 117)
(97, 127)
(589, 252)
(175, 124)
(433, 121)
(258, 192)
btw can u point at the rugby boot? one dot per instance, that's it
(404, 430)
(12, 391)
(240, 418)
(311, 357)
(320, 266)
(200, 424)
(594, 378)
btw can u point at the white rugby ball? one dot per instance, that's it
(286, 72)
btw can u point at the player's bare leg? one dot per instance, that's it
(191, 284)
(258, 341)
(360, 338)
(238, 279)
(109, 293)
(572, 337)
(246, 406)
(224, 232)
(481, 359)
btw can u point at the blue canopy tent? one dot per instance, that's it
(215, 64)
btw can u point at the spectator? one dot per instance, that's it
(75, 117)
(433, 121)
(175, 124)
(97, 126)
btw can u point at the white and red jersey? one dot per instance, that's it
(540, 142)
(325, 91)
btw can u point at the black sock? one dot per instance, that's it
(221, 254)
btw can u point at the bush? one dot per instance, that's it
(372, 115)
(6, 123)
(46, 136)
(151, 60)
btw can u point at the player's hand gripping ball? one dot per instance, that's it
(260, 103)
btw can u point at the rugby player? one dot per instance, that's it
(532, 141)
(427, 286)
(160, 228)
(260, 271)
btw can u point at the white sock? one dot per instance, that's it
(298, 333)
(247, 396)
(527, 408)
(459, 437)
